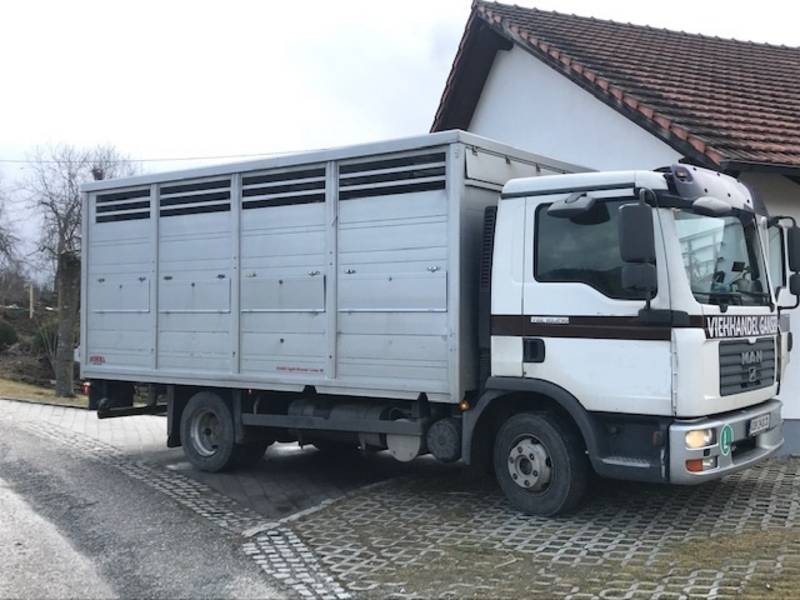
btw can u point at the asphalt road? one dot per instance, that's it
(73, 527)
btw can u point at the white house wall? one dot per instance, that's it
(527, 104)
(782, 197)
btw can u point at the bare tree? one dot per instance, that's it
(53, 187)
(9, 243)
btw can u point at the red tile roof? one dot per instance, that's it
(720, 102)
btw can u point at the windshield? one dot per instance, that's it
(723, 259)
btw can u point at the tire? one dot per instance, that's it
(540, 464)
(208, 436)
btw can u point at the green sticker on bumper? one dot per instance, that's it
(725, 440)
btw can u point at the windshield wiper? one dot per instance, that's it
(732, 297)
(753, 294)
(718, 298)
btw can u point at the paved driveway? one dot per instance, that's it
(320, 527)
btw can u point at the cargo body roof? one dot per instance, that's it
(342, 152)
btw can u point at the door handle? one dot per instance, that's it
(532, 350)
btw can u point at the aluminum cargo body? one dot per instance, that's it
(353, 270)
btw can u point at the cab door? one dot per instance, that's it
(582, 330)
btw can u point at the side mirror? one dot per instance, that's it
(637, 248)
(794, 284)
(636, 239)
(793, 248)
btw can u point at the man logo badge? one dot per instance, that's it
(751, 360)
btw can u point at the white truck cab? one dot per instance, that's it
(645, 299)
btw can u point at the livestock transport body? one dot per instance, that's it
(384, 296)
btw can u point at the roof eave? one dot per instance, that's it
(478, 46)
(735, 167)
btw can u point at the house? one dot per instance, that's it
(610, 95)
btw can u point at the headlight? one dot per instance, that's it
(699, 438)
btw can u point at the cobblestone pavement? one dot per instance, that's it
(434, 531)
(449, 537)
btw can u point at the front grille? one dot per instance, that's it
(744, 367)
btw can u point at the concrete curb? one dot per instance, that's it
(44, 402)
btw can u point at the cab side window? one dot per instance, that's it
(582, 250)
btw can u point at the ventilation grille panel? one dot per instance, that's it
(392, 175)
(195, 198)
(744, 367)
(304, 186)
(130, 205)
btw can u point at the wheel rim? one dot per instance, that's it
(206, 432)
(529, 464)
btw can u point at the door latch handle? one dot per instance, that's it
(533, 350)
(433, 268)
(313, 273)
(350, 271)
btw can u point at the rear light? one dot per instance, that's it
(86, 387)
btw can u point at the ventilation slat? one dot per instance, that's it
(420, 167)
(134, 216)
(404, 174)
(285, 188)
(284, 201)
(126, 195)
(193, 210)
(127, 205)
(283, 176)
(261, 190)
(391, 176)
(392, 162)
(212, 191)
(193, 198)
(389, 191)
(195, 187)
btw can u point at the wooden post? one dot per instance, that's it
(30, 300)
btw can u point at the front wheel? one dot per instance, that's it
(540, 464)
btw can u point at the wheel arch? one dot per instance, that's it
(503, 396)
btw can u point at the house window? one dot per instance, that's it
(582, 250)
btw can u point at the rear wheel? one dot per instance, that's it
(540, 464)
(207, 433)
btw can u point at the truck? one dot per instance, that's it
(446, 295)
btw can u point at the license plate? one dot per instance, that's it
(758, 424)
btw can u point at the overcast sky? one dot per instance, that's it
(165, 78)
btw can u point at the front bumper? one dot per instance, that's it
(745, 450)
